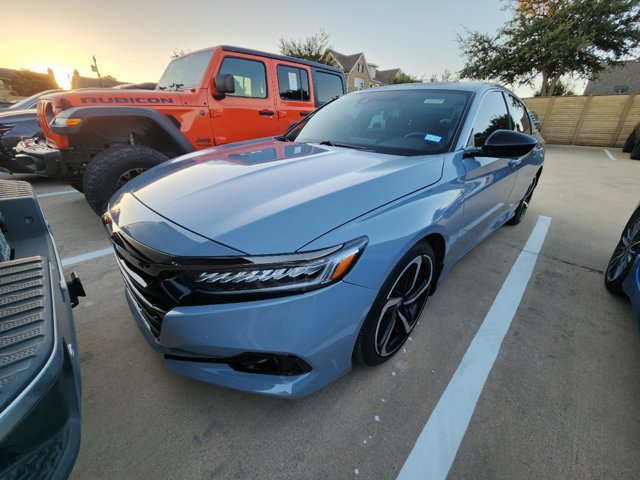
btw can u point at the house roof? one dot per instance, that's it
(387, 76)
(607, 81)
(346, 61)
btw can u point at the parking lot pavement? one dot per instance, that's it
(561, 400)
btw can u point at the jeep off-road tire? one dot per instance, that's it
(111, 169)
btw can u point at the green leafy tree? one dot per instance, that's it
(314, 48)
(552, 39)
(402, 77)
(446, 76)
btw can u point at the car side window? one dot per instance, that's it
(293, 83)
(519, 115)
(492, 115)
(249, 76)
(328, 87)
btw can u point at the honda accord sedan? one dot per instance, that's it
(271, 265)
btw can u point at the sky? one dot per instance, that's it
(133, 40)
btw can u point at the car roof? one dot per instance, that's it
(474, 87)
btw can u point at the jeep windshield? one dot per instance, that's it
(185, 72)
(397, 122)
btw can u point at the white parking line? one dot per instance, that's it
(608, 154)
(54, 194)
(67, 262)
(437, 445)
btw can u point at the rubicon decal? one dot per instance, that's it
(134, 100)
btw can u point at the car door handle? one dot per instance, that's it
(304, 114)
(514, 162)
(268, 113)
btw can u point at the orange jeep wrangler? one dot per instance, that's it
(97, 140)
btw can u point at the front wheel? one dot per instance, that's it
(624, 255)
(397, 307)
(112, 169)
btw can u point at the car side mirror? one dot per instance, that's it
(504, 144)
(224, 84)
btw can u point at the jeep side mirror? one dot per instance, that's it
(224, 84)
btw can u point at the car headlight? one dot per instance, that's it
(276, 273)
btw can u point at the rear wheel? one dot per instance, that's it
(397, 307)
(624, 255)
(523, 206)
(112, 169)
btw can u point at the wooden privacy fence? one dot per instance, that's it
(597, 120)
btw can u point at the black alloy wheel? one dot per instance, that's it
(623, 255)
(398, 306)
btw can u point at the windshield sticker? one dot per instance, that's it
(432, 138)
(434, 101)
(293, 81)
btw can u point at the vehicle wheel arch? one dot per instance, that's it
(100, 133)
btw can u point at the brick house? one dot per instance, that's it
(361, 74)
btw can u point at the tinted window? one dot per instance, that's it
(402, 122)
(519, 116)
(492, 115)
(328, 87)
(249, 75)
(186, 71)
(293, 83)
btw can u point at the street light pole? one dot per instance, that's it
(94, 68)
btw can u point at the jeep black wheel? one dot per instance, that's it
(112, 169)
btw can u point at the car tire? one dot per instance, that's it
(635, 153)
(111, 169)
(624, 254)
(523, 206)
(630, 143)
(397, 307)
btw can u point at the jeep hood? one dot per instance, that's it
(275, 197)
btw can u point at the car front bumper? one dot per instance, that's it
(318, 327)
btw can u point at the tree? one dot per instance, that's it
(446, 76)
(402, 77)
(314, 48)
(552, 39)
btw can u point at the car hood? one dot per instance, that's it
(14, 116)
(275, 197)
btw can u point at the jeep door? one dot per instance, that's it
(294, 98)
(249, 112)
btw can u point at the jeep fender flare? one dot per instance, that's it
(138, 115)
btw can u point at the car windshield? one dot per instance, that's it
(399, 122)
(185, 72)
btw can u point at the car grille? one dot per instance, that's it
(143, 288)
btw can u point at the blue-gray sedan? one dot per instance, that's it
(269, 265)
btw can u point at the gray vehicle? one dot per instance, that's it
(39, 365)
